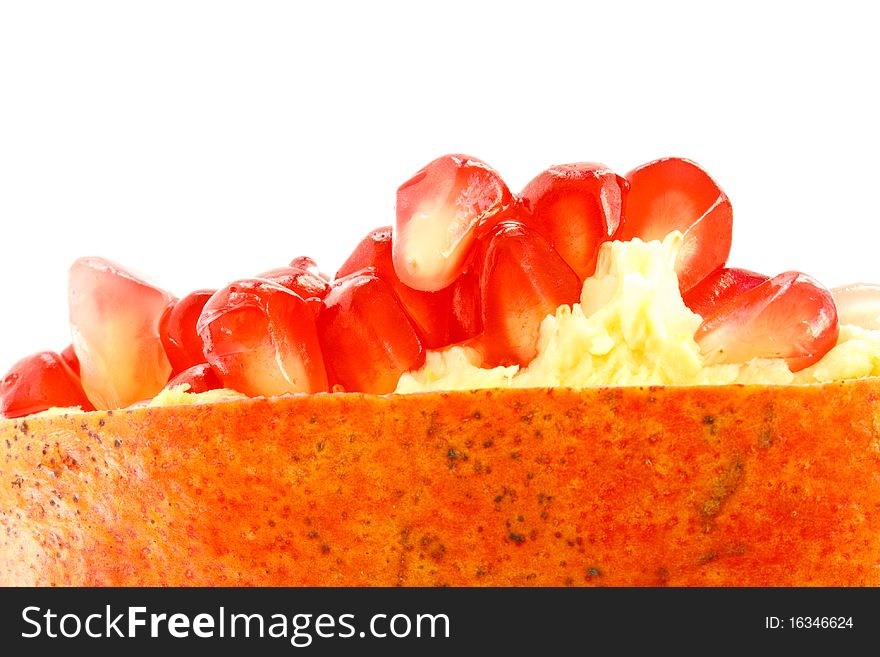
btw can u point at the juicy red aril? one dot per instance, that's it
(372, 251)
(858, 304)
(260, 338)
(430, 312)
(69, 357)
(367, 338)
(38, 382)
(199, 378)
(790, 316)
(720, 287)
(177, 330)
(309, 286)
(114, 319)
(438, 213)
(576, 207)
(676, 194)
(309, 265)
(523, 280)
(304, 283)
(466, 317)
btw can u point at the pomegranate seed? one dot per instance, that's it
(523, 280)
(69, 356)
(789, 316)
(309, 286)
(367, 338)
(38, 382)
(260, 338)
(309, 265)
(576, 207)
(199, 378)
(114, 318)
(859, 304)
(466, 318)
(438, 212)
(676, 194)
(430, 312)
(304, 283)
(177, 330)
(720, 287)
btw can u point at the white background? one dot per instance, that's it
(199, 142)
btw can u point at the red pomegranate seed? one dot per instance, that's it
(676, 194)
(438, 213)
(309, 265)
(430, 312)
(523, 280)
(466, 318)
(38, 382)
(177, 330)
(260, 338)
(720, 287)
(301, 281)
(790, 316)
(199, 378)
(69, 357)
(114, 318)
(367, 338)
(576, 207)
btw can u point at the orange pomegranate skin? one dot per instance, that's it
(677, 486)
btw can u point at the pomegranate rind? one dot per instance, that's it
(677, 486)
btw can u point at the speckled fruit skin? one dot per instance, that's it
(679, 486)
